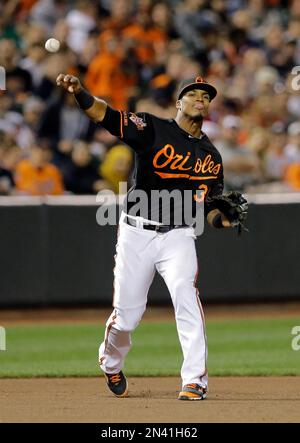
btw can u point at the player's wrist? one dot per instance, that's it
(84, 99)
(225, 222)
(217, 221)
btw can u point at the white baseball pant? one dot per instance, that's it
(139, 253)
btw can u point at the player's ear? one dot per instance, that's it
(178, 105)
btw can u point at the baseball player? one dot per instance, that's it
(172, 155)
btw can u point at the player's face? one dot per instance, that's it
(194, 104)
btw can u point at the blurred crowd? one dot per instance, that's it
(133, 53)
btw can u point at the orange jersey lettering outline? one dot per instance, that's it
(177, 161)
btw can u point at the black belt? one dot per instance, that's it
(156, 228)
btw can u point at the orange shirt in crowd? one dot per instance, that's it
(24, 8)
(144, 40)
(27, 4)
(46, 180)
(105, 78)
(292, 176)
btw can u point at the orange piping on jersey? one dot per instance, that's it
(190, 177)
(208, 177)
(101, 359)
(121, 124)
(203, 322)
(204, 333)
(167, 175)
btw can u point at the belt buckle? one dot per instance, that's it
(162, 229)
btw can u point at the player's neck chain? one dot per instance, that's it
(187, 133)
(193, 136)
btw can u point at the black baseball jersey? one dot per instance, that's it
(167, 158)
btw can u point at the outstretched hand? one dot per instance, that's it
(69, 82)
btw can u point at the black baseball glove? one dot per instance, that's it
(234, 206)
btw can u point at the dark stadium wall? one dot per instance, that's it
(58, 255)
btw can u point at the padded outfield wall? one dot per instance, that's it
(53, 252)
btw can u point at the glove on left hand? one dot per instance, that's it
(234, 206)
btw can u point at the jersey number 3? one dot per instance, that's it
(204, 189)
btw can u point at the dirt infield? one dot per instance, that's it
(11, 317)
(152, 400)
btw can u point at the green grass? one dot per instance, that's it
(236, 347)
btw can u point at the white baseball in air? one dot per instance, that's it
(52, 45)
